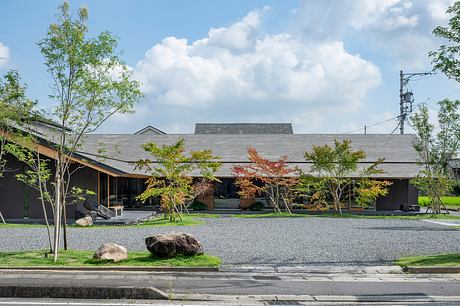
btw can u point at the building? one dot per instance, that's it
(116, 181)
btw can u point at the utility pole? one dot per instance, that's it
(406, 97)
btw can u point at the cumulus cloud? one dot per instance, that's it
(402, 28)
(239, 73)
(4, 54)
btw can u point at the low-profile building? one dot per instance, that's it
(116, 181)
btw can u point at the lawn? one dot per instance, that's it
(187, 220)
(434, 260)
(345, 215)
(448, 201)
(85, 258)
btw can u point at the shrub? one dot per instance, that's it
(257, 206)
(198, 205)
(456, 188)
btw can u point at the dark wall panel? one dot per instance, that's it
(12, 191)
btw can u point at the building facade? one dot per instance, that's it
(116, 181)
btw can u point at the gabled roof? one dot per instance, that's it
(243, 128)
(400, 156)
(150, 130)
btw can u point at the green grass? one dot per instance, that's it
(85, 258)
(344, 215)
(270, 215)
(448, 201)
(20, 225)
(188, 220)
(435, 260)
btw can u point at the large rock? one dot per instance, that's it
(112, 252)
(104, 212)
(173, 244)
(86, 221)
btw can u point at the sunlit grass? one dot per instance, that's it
(85, 258)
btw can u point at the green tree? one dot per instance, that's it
(89, 84)
(336, 171)
(446, 58)
(15, 111)
(171, 178)
(435, 147)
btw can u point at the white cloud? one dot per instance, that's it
(239, 73)
(402, 28)
(4, 54)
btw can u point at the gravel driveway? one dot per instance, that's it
(277, 241)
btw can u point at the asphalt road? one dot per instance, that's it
(274, 241)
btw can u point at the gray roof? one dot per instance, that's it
(243, 128)
(400, 157)
(150, 130)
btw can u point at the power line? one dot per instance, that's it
(371, 125)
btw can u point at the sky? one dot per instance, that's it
(326, 66)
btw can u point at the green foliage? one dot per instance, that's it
(336, 173)
(435, 149)
(446, 58)
(456, 188)
(257, 206)
(89, 84)
(198, 205)
(171, 178)
(15, 111)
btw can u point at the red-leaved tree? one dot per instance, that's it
(273, 179)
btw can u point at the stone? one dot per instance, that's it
(173, 244)
(86, 221)
(112, 252)
(104, 212)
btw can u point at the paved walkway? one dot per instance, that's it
(334, 286)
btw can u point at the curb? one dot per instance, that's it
(432, 269)
(112, 268)
(72, 292)
(315, 298)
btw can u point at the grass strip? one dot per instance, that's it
(85, 258)
(448, 201)
(452, 259)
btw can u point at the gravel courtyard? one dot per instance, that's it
(276, 241)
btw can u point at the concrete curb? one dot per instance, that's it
(73, 292)
(432, 269)
(315, 298)
(112, 268)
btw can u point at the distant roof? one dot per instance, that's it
(243, 128)
(400, 156)
(148, 130)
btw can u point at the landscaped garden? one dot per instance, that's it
(85, 258)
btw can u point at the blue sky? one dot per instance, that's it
(326, 66)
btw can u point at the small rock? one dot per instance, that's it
(112, 252)
(173, 244)
(86, 221)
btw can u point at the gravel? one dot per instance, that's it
(275, 241)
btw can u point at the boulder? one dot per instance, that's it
(86, 221)
(112, 252)
(173, 244)
(104, 212)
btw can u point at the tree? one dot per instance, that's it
(446, 58)
(16, 110)
(435, 149)
(336, 173)
(272, 178)
(89, 83)
(171, 178)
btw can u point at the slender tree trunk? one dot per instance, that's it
(64, 225)
(57, 213)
